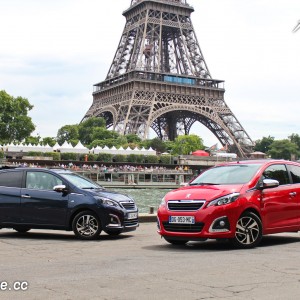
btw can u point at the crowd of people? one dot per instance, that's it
(109, 169)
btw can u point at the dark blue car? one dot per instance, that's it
(63, 200)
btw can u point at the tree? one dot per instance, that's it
(295, 138)
(101, 133)
(185, 144)
(283, 149)
(264, 144)
(33, 140)
(133, 138)
(67, 133)
(15, 124)
(158, 145)
(48, 141)
(87, 127)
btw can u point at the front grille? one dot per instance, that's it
(185, 205)
(197, 227)
(128, 205)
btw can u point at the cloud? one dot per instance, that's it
(52, 52)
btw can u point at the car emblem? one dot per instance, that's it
(188, 196)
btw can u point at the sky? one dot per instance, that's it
(52, 52)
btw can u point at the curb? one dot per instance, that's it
(146, 218)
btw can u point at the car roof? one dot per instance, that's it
(56, 170)
(259, 161)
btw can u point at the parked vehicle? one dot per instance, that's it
(60, 199)
(238, 201)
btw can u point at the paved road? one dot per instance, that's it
(140, 265)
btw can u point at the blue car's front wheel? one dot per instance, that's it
(86, 225)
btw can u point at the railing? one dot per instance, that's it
(177, 2)
(160, 77)
(145, 178)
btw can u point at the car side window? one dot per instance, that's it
(41, 181)
(277, 172)
(11, 179)
(295, 173)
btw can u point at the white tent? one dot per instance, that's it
(79, 148)
(66, 147)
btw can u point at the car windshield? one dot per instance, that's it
(80, 181)
(232, 174)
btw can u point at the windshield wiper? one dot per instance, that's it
(88, 188)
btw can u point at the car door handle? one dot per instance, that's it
(293, 194)
(25, 196)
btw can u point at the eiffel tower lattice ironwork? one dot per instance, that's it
(159, 79)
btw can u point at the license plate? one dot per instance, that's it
(181, 220)
(132, 215)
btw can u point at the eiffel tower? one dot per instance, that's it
(159, 79)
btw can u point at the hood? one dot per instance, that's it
(203, 192)
(110, 195)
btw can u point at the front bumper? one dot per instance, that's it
(122, 223)
(209, 223)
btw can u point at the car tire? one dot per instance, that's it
(176, 242)
(22, 229)
(113, 232)
(248, 232)
(86, 225)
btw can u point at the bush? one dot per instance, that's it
(104, 157)
(69, 156)
(135, 158)
(54, 155)
(120, 158)
(166, 159)
(151, 159)
(140, 158)
(35, 153)
(1, 154)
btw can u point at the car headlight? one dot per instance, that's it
(163, 201)
(224, 200)
(108, 202)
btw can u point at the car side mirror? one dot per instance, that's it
(60, 188)
(269, 183)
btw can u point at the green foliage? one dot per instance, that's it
(35, 153)
(158, 145)
(133, 138)
(295, 138)
(151, 159)
(87, 128)
(33, 140)
(120, 158)
(54, 155)
(101, 133)
(264, 144)
(185, 144)
(135, 158)
(74, 142)
(104, 157)
(15, 124)
(166, 159)
(1, 154)
(169, 146)
(283, 149)
(48, 141)
(67, 133)
(69, 156)
(140, 158)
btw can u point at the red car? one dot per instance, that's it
(239, 201)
